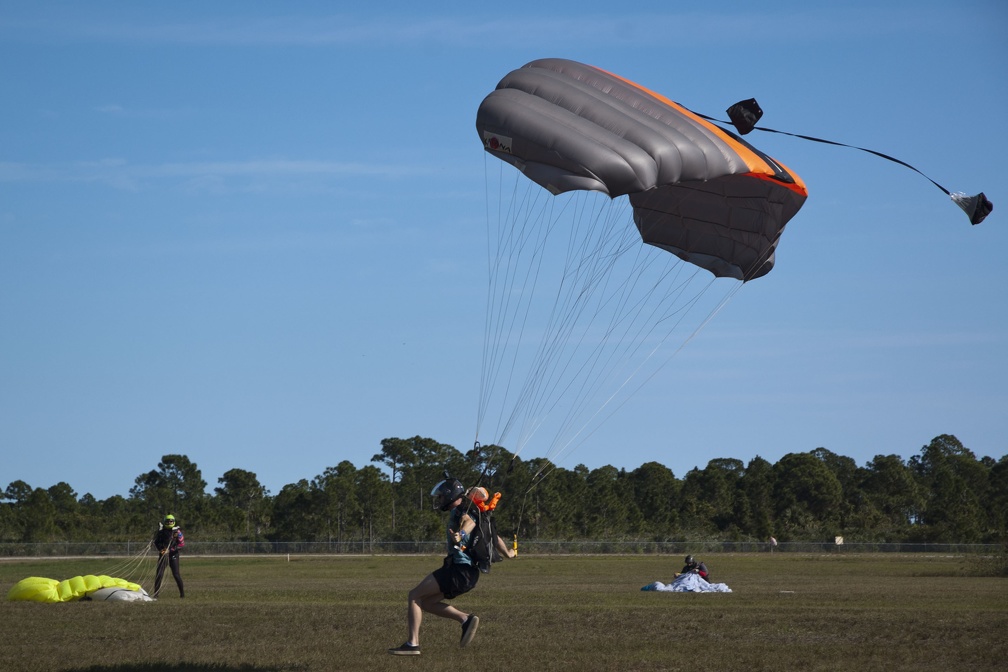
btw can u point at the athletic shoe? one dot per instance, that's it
(405, 650)
(469, 629)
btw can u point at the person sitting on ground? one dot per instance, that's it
(694, 567)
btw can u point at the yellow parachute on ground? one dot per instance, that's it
(88, 587)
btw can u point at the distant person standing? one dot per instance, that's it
(168, 540)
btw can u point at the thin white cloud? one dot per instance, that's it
(792, 341)
(121, 111)
(283, 167)
(121, 174)
(511, 28)
(110, 109)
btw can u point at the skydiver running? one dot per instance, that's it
(168, 540)
(458, 574)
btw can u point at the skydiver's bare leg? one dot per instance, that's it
(427, 597)
(439, 608)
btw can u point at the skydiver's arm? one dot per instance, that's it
(466, 526)
(503, 548)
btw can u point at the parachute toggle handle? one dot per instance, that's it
(976, 207)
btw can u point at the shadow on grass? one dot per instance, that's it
(188, 667)
(991, 565)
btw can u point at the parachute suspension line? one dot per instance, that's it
(515, 261)
(670, 289)
(584, 435)
(616, 343)
(588, 261)
(521, 297)
(495, 229)
(134, 568)
(526, 392)
(526, 395)
(480, 402)
(493, 224)
(556, 333)
(599, 328)
(149, 569)
(500, 315)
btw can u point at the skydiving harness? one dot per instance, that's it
(491, 503)
(481, 544)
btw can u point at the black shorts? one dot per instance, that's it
(455, 580)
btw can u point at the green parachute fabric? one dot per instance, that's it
(39, 589)
(697, 190)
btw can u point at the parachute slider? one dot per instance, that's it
(744, 115)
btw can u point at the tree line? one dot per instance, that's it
(943, 494)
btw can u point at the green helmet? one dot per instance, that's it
(169, 521)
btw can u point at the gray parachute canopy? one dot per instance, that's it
(697, 190)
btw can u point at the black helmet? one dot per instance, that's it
(446, 492)
(689, 559)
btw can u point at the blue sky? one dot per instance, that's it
(254, 233)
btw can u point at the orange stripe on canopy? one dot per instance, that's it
(757, 165)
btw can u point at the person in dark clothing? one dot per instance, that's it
(694, 567)
(168, 540)
(458, 574)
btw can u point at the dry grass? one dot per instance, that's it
(787, 612)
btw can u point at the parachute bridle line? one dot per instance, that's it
(976, 207)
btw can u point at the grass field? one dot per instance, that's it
(786, 612)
